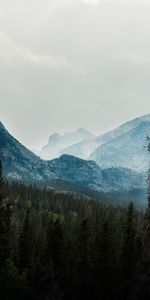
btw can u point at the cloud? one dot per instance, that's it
(80, 63)
(129, 3)
(93, 2)
(131, 57)
(14, 53)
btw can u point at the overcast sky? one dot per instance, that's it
(66, 64)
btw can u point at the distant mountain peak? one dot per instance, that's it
(54, 137)
(21, 164)
(83, 130)
(120, 147)
(58, 142)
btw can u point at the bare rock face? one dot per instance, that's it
(20, 164)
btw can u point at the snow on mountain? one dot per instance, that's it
(58, 142)
(82, 150)
(125, 146)
(20, 164)
(122, 147)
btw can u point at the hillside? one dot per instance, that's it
(20, 164)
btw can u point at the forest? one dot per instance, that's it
(56, 246)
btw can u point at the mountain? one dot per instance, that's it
(22, 165)
(18, 162)
(82, 150)
(122, 179)
(81, 172)
(58, 142)
(124, 147)
(87, 148)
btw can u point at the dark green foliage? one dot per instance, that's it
(26, 245)
(5, 225)
(105, 262)
(129, 245)
(56, 246)
(14, 285)
(1, 182)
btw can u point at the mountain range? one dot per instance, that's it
(21, 164)
(122, 147)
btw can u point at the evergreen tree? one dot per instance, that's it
(64, 250)
(14, 285)
(146, 223)
(26, 245)
(84, 262)
(5, 225)
(1, 182)
(128, 257)
(53, 260)
(105, 272)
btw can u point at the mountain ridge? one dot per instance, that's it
(127, 150)
(21, 164)
(107, 149)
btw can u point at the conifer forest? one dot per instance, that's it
(55, 246)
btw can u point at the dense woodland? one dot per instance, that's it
(54, 245)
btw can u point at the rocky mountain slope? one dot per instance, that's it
(21, 164)
(122, 147)
(125, 146)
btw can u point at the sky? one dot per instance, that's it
(66, 64)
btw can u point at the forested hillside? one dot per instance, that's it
(20, 164)
(56, 246)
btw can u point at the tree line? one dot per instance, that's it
(54, 245)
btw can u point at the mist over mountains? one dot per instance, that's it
(122, 147)
(58, 142)
(21, 164)
(125, 146)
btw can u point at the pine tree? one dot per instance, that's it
(128, 258)
(26, 245)
(5, 236)
(105, 272)
(129, 254)
(146, 224)
(1, 182)
(14, 285)
(53, 260)
(5, 225)
(84, 260)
